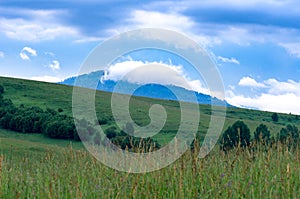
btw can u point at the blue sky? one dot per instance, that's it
(255, 44)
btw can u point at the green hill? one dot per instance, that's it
(55, 96)
(34, 166)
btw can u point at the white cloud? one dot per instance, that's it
(2, 55)
(46, 79)
(205, 33)
(228, 60)
(27, 52)
(153, 72)
(250, 82)
(292, 48)
(27, 30)
(277, 96)
(55, 65)
(36, 25)
(281, 88)
(287, 103)
(170, 20)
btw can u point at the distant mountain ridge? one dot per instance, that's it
(149, 90)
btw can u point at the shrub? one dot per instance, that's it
(97, 139)
(128, 128)
(237, 135)
(289, 135)
(262, 134)
(1, 90)
(111, 132)
(275, 117)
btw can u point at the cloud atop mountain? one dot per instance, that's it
(153, 72)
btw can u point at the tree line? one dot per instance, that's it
(33, 119)
(54, 124)
(238, 135)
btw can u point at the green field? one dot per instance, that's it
(33, 166)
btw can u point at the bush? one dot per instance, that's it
(111, 132)
(135, 144)
(275, 117)
(262, 134)
(289, 135)
(1, 90)
(128, 128)
(97, 139)
(237, 135)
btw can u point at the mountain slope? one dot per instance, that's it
(149, 90)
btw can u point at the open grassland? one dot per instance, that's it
(33, 166)
(39, 170)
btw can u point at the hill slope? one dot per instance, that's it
(33, 166)
(33, 93)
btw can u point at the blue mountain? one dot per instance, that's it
(149, 90)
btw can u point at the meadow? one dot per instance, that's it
(34, 166)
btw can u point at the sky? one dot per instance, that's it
(255, 44)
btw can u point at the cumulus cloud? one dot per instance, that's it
(228, 60)
(55, 65)
(27, 52)
(279, 96)
(2, 55)
(134, 72)
(280, 88)
(250, 82)
(46, 79)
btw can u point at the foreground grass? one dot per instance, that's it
(68, 173)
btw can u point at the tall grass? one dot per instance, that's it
(69, 173)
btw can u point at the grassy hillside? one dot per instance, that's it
(32, 93)
(33, 166)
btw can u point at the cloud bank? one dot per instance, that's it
(279, 96)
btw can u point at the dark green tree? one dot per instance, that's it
(111, 132)
(1, 90)
(262, 134)
(293, 131)
(129, 129)
(97, 139)
(275, 117)
(289, 135)
(237, 135)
